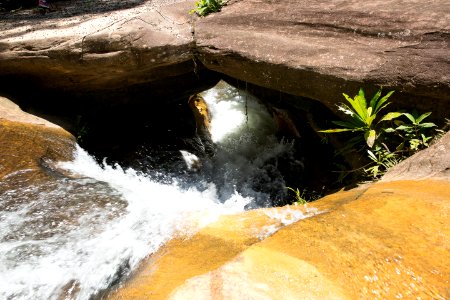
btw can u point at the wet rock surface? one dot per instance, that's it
(386, 240)
(28, 142)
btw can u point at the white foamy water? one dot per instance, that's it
(234, 112)
(91, 256)
(248, 152)
(77, 235)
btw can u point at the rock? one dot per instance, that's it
(384, 241)
(183, 258)
(97, 59)
(311, 49)
(115, 48)
(433, 162)
(27, 142)
(319, 50)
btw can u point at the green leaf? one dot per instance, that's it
(335, 130)
(410, 117)
(390, 116)
(372, 156)
(362, 101)
(375, 98)
(356, 105)
(379, 106)
(422, 117)
(354, 124)
(373, 170)
(369, 111)
(400, 146)
(425, 139)
(389, 130)
(370, 138)
(427, 125)
(404, 127)
(370, 120)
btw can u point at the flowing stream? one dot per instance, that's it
(81, 232)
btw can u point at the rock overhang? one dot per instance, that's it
(307, 49)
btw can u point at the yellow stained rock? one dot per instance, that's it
(186, 257)
(384, 241)
(260, 273)
(26, 139)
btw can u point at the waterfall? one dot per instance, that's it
(86, 229)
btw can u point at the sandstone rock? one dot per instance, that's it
(183, 258)
(115, 48)
(320, 50)
(378, 241)
(312, 49)
(433, 162)
(384, 241)
(27, 141)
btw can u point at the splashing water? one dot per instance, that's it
(248, 152)
(94, 232)
(78, 233)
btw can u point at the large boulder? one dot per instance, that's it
(88, 58)
(306, 48)
(382, 241)
(390, 242)
(112, 48)
(320, 49)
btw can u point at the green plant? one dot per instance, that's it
(383, 159)
(205, 7)
(303, 196)
(414, 133)
(298, 196)
(377, 136)
(363, 116)
(81, 129)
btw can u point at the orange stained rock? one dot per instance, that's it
(26, 139)
(392, 242)
(384, 241)
(24, 145)
(186, 257)
(200, 110)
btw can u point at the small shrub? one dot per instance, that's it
(363, 116)
(303, 197)
(385, 138)
(205, 7)
(413, 133)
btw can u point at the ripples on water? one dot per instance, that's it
(87, 224)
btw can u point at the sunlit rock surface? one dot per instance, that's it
(27, 142)
(387, 241)
(433, 162)
(216, 244)
(98, 46)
